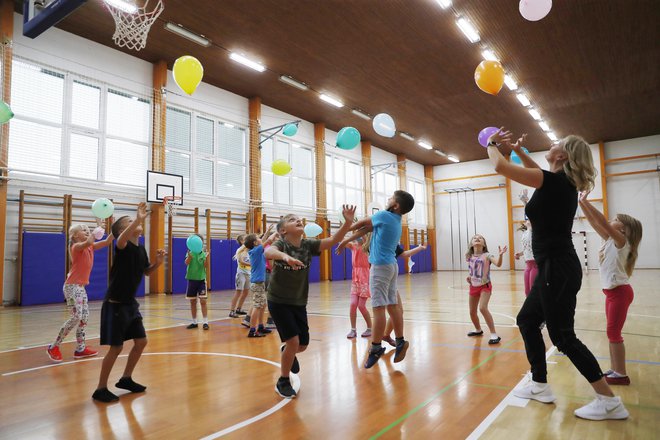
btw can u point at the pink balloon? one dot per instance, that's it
(485, 134)
(534, 10)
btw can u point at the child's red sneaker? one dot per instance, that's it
(87, 352)
(54, 353)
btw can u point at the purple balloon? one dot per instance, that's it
(485, 134)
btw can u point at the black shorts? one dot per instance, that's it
(196, 288)
(290, 321)
(120, 322)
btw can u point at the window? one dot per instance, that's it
(418, 215)
(343, 183)
(384, 183)
(296, 189)
(208, 153)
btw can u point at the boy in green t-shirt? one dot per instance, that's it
(289, 287)
(196, 276)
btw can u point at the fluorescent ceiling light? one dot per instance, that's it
(489, 55)
(444, 4)
(185, 33)
(360, 114)
(440, 153)
(122, 5)
(425, 145)
(552, 136)
(535, 114)
(453, 159)
(467, 29)
(406, 136)
(293, 83)
(544, 126)
(331, 100)
(510, 83)
(523, 99)
(247, 62)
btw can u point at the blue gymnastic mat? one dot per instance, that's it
(337, 265)
(348, 264)
(98, 278)
(222, 277)
(179, 250)
(43, 266)
(315, 270)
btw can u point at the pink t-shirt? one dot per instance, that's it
(81, 265)
(360, 259)
(479, 266)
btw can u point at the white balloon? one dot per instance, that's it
(534, 10)
(384, 125)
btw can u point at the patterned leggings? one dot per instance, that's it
(76, 300)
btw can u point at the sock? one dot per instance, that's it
(375, 347)
(539, 385)
(493, 336)
(127, 383)
(615, 374)
(206, 320)
(606, 398)
(353, 328)
(368, 329)
(399, 339)
(194, 321)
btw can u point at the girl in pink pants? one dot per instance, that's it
(531, 270)
(360, 285)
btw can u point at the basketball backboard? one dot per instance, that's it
(160, 185)
(40, 15)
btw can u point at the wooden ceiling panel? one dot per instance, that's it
(591, 67)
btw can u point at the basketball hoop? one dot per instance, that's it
(170, 204)
(132, 23)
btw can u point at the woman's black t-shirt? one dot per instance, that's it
(551, 211)
(127, 271)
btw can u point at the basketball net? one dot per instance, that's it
(132, 23)
(170, 204)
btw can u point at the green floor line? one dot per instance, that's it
(497, 387)
(439, 393)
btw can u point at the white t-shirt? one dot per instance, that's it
(526, 241)
(613, 264)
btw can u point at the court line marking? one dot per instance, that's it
(439, 393)
(425, 321)
(214, 435)
(509, 399)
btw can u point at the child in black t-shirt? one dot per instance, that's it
(120, 314)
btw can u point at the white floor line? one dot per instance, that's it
(247, 422)
(424, 321)
(509, 400)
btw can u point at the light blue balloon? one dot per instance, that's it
(515, 158)
(384, 125)
(102, 208)
(290, 129)
(312, 230)
(348, 138)
(194, 244)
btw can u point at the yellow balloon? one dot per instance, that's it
(188, 73)
(489, 76)
(280, 167)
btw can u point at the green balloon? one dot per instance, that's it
(290, 129)
(5, 112)
(348, 138)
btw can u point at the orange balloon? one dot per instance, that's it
(489, 76)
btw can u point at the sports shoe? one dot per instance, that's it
(401, 349)
(608, 372)
(295, 367)
(389, 340)
(494, 340)
(255, 335)
(87, 352)
(233, 314)
(373, 357)
(240, 312)
(352, 334)
(205, 326)
(479, 333)
(104, 395)
(264, 330)
(245, 323)
(54, 353)
(284, 389)
(603, 408)
(625, 380)
(366, 333)
(536, 391)
(270, 323)
(191, 326)
(127, 383)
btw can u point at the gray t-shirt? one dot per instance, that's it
(288, 286)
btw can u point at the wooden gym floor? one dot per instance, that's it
(208, 384)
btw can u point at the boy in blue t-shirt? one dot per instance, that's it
(386, 227)
(258, 282)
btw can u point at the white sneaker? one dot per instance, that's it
(537, 391)
(603, 408)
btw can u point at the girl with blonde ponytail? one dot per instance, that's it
(617, 259)
(553, 296)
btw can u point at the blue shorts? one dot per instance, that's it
(196, 288)
(382, 282)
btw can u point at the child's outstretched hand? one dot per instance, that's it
(502, 250)
(160, 254)
(517, 146)
(523, 196)
(272, 238)
(517, 256)
(468, 280)
(340, 247)
(348, 211)
(294, 263)
(142, 211)
(582, 197)
(423, 246)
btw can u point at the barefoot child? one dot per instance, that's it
(289, 286)
(120, 314)
(81, 250)
(479, 261)
(196, 266)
